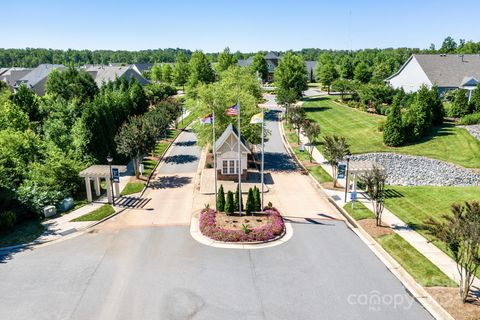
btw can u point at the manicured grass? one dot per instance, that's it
(148, 166)
(97, 215)
(132, 187)
(447, 143)
(420, 268)
(24, 232)
(320, 174)
(359, 212)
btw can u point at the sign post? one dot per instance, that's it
(353, 197)
(115, 175)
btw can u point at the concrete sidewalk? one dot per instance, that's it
(429, 250)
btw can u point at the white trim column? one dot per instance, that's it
(97, 186)
(116, 185)
(109, 190)
(88, 188)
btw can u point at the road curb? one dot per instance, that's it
(418, 292)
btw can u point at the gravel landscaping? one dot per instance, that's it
(405, 170)
(474, 130)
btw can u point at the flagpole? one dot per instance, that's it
(263, 154)
(214, 158)
(239, 164)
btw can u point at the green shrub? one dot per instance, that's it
(381, 125)
(250, 206)
(459, 106)
(221, 199)
(229, 203)
(7, 220)
(237, 201)
(257, 199)
(393, 133)
(470, 119)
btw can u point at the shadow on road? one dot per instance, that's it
(276, 161)
(185, 143)
(7, 255)
(181, 159)
(170, 182)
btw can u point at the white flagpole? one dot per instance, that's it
(263, 153)
(239, 164)
(214, 158)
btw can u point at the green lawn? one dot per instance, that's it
(320, 174)
(359, 212)
(24, 232)
(132, 187)
(447, 143)
(420, 268)
(97, 215)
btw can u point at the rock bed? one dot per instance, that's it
(405, 170)
(474, 130)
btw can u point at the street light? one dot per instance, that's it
(109, 160)
(347, 182)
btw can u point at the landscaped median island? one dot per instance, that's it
(259, 227)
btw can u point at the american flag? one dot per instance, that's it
(232, 111)
(207, 120)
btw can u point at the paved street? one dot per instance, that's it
(143, 264)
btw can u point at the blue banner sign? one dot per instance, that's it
(342, 168)
(353, 196)
(115, 175)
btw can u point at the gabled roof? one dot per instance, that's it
(469, 82)
(446, 70)
(271, 56)
(103, 74)
(11, 75)
(38, 74)
(227, 133)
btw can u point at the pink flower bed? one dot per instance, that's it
(209, 228)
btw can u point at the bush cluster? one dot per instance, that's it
(274, 228)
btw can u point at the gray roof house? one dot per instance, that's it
(446, 71)
(11, 75)
(37, 78)
(103, 74)
(272, 63)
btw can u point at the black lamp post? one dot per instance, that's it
(109, 160)
(347, 182)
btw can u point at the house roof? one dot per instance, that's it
(38, 74)
(11, 75)
(229, 131)
(271, 56)
(103, 74)
(447, 70)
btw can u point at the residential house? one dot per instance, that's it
(227, 155)
(36, 79)
(104, 74)
(11, 75)
(446, 71)
(272, 63)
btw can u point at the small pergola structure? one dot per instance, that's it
(97, 172)
(356, 168)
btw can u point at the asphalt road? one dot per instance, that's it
(324, 272)
(157, 271)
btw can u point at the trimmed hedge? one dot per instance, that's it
(209, 228)
(470, 119)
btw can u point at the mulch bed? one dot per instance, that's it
(372, 229)
(270, 226)
(449, 299)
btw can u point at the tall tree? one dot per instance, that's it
(200, 69)
(312, 131)
(475, 100)
(459, 106)
(362, 72)
(393, 133)
(296, 116)
(259, 65)
(167, 73)
(375, 187)
(328, 74)
(225, 60)
(335, 148)
(181, 70)
(291, 74)
(71, 83)
(156, 73)
(448, 46)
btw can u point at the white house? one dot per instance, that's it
(226, 148)
(446, 71)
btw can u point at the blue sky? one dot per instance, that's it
(246, 25)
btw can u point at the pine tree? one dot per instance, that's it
(237, 201)
(438, 111)
(250, 207)
(221, 199)
(459, 106)
(257, 199)
(475, 100)
(393, 134)
(229, 204)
